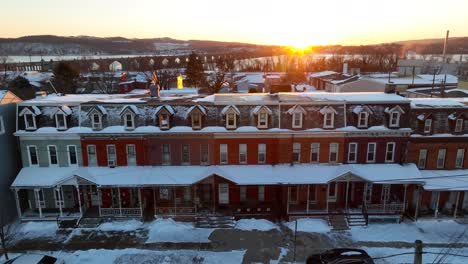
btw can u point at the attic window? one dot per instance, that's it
(61, 121)
(30, 121)
(328, 120)
(394, 119)
(129, 120)
(363, 119)
(427, 125)
(459, 125)
(262, 121)
(196, 120)
(164, 121)
(297, 120)
(231, 119)
(96, 120)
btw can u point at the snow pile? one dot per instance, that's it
(309, 225)
(33, 230)
(256, 224)
(130, 225)
(168, 230)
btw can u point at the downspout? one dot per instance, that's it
(345, 118)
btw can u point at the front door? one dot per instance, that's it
(223, 192)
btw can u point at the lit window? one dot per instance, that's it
(427, 126)
(53, 159)
(92, 158)
(314, 152)
(296, 153)
(131, 155)
(72, 156)
(371, 149)
(352, 152)
(242, 153)
(261, 153)
(390, 152)
(333, 152)
(460, 158)
(422, 158)
(223, 148)
(441, 158)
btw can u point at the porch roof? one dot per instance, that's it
(445, 180)
(238, 174)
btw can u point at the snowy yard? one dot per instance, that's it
(309, 225)
(168, 230)
(256, 224)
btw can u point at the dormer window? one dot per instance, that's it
(363, 119)
(61, 121)
(163, 114)
(231, 120)
(129, 120)
(128, 114)
(394, 119)
(297, 120)
(428, 125)
(328, 113)
(30, 121)
(164, 121)
(262, 112)
(459, 125)
(196, 120)
(231, 112)
(96, 120)
(196, 113)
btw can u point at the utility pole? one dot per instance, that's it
(295, 237)
(418, 251)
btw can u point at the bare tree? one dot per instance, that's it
(5, 232)
(4, 60)
(102, 81)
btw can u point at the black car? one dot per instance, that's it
(341, 256)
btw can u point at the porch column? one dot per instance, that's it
(214, 196)
(139, 201)
(99, 200)
(59, 190)
(120, 202)
(195, 197)
(79, 199)
(38, 201)
(18, 207)
(175, 198)
(347, 192)
(417, 205)
(154, 200)
(404, 198)
(456, 205)
(436, 211)
(308, 193)
(287, 200)
(326, 196)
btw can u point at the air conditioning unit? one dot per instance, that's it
(111, 163)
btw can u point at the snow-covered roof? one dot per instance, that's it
(396, 108)
(31, 109)
(167, 107)
(450, 180)
(296, 109)
(436, 103)
(229, 107)
(239, 174)
(321, 74)
(362, 108)
(98, 108)
(72, 99)
(131, 108)
(328, 110)
(199, 107)
(260, 107)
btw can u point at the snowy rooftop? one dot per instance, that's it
(435, 103)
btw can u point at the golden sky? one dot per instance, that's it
(291, 22)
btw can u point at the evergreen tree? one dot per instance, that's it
(65, 78)
(194, 72)
(21, 87)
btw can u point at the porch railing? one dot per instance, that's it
(175, 210)
(385, 208)
(120, 212)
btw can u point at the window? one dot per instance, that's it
(332, 190)
(296, 158)
(231, 120)
(352, 152)
(129, 121)
(164, 193)
(33, 158)
(371, 148)
(196, 120)
(185, 154)
(166, 154)
(164, 121)
(131, 155)
(223, 155)
(262, 119)
(385, 195)
(111, 156)
(394, 119)
(261, 193)
(362, 119)
(441, 158)
(92, 159)
(2, 126)
(96, 121)
(459, 125)
(328, 119)
(422, 158)
(223, 192)
(243, 193)
(58, 196)
(242, 153)
(293, 194)
(390, 152)
(368, 192)
(313, 194)
(60, 121)
(205, 154)
(460, 158)
(427, 125)
(53, 159)
(72, 156)
(187, 194)
(333, 152)
(315, 152)
(261, 153)
(40, 202)
(30, 121)
(297, 120)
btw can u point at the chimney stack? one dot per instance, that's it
(345, 68)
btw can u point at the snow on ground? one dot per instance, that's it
(378, 252)
(32, 230)
(129, 225)
(256, 224)
(131, 255)
(310, 225)
(168, 230)
(434, 231)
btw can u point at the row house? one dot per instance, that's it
(276, 156)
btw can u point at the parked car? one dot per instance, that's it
(341, 256)
(34, 259)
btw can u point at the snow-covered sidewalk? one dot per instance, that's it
(168, 230)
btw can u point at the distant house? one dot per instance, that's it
(125, 87)
(7, 97)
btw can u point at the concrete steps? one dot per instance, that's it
(215, 221)
(356, 220)
(338, 222)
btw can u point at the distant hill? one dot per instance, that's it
(456, 45)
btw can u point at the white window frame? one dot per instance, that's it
(374, 153)
(312, 152)
(207, 162)
(261, 152)
(460, 158)
(129, 158)
(330, 153)
(368, 192)
(422, 159)
(294, 117)
(126, 120)
(363, 116)
(331, 117)
(26, 123)
(231, 115)
(387, 150)
(29, 155)
(312, 193)
(58, 197)
(441, 156)
(39, 193)
(262, 122)
(242, 153)
(2, 126)
(96, 125)
(397, 119)
(293, 199)
(186, 162)
(164, 154)
(459, 125)
(111, 161)
(261, 193)
(69, 155)
(196, 115)
(223, 151)
(223, 193)
(332, 198)
(296, 152)
(428, 125)
(95, 162)
(164, 123)
(385, 193)
(57, 123)
(355, 145)
(50, 156)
